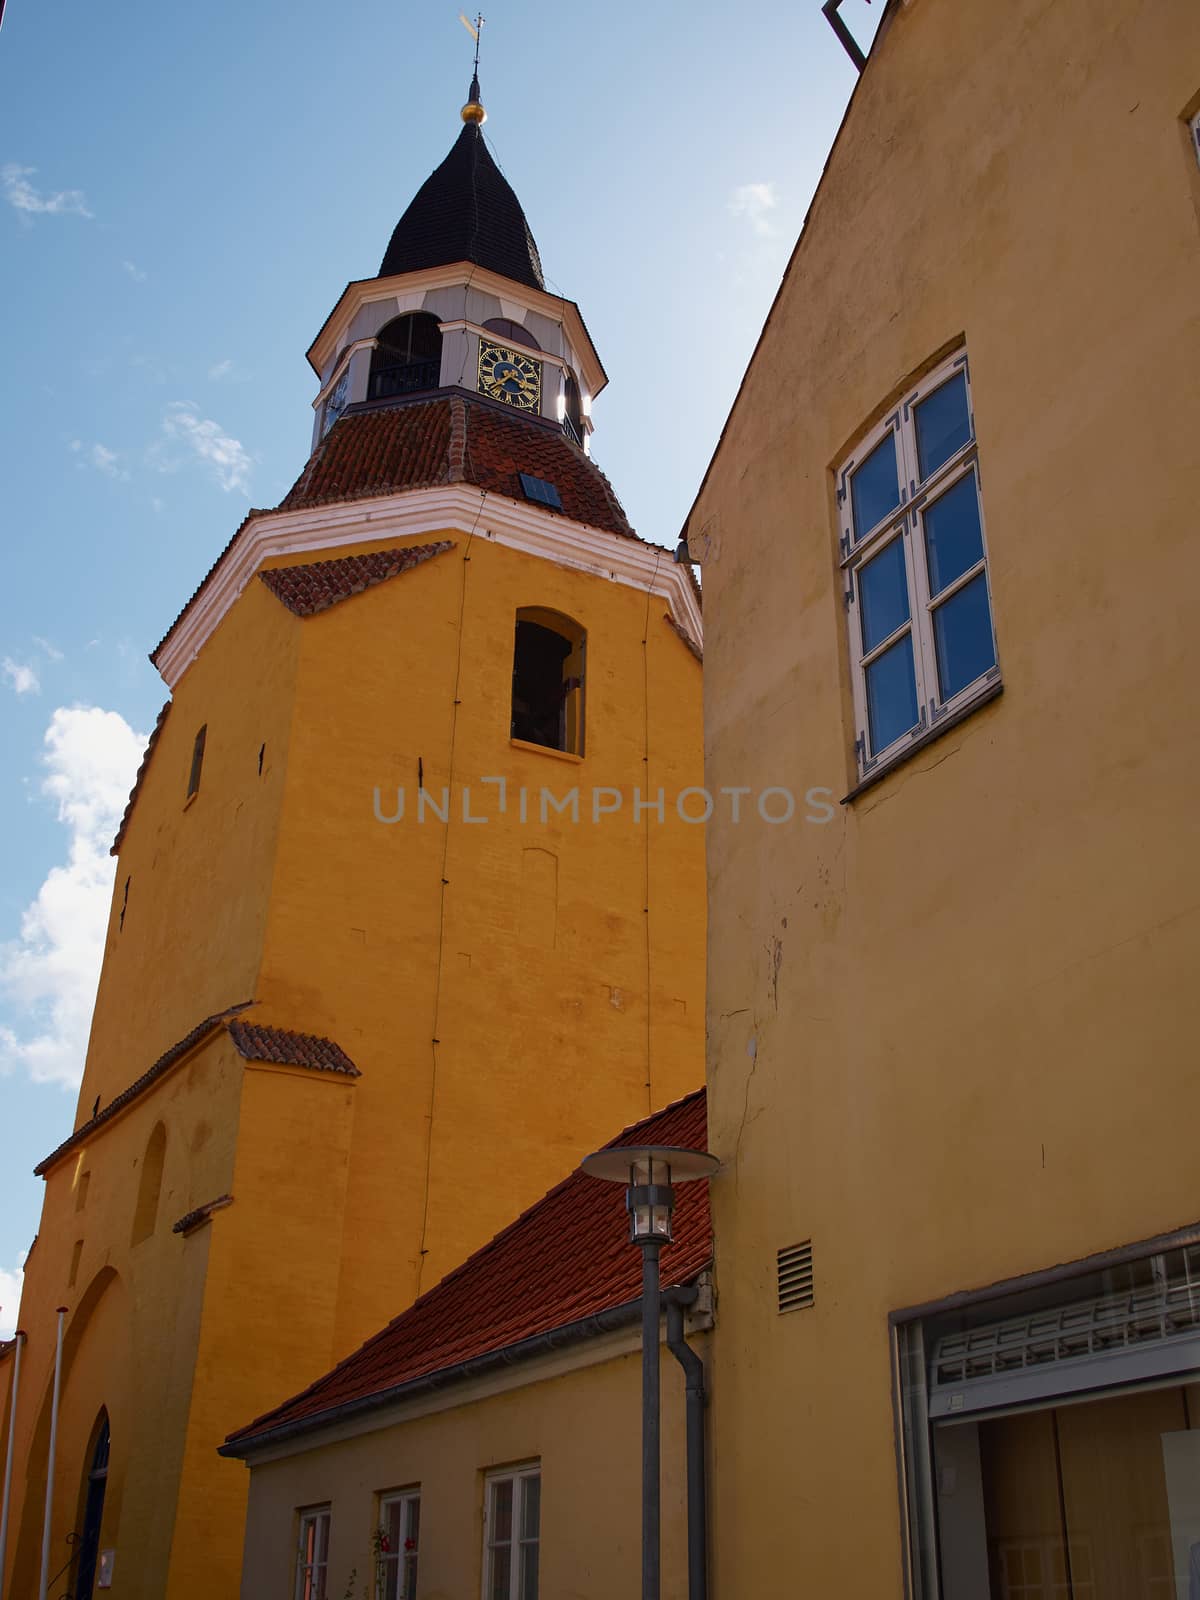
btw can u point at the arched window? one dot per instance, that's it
(407, 357)
(513, 332)
(548, 672)
(92, 1506)
(149, 1185)
(573, 409)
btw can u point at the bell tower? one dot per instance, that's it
(406, 916)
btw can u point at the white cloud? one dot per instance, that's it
(755, 202)
(21, 676)
(229, 461)
(10, 1298)
(49, 972)
(220, 369)
(26, 199)
(101, 457)
(134, 272)
(50, 651)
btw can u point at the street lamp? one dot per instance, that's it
(649, 1173)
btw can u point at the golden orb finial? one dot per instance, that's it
(474, 112)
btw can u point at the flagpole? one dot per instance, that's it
(44, 1584)
(18, 1340)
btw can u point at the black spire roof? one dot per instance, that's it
(466, 211)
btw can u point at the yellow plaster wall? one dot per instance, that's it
(583, 1426)
(542, 1024)
(284, 888)
(133, 1324)
(198, 873)
(952, 1032)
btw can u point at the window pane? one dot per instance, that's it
(500, 1573)
(529, 1572)
(962, 628)
(883, 595)
(953, 537)
(394, 1524)
(875, 486)
(891, 694)
(943, 424)
(413, 1530)
(323, 1536)
(502, 1507)
(531, 1500)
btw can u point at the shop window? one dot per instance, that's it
(149, 1185)
(548, 680)
(914, 566)
(312, 1555)
(399, 1539)
(1051, 1438)
(511, 1534)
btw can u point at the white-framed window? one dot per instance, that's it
(312, 1554)
(511, 1531)
(399, 1540)
(914, 565)
(1195, 127)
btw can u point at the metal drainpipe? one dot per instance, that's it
(697, 1489)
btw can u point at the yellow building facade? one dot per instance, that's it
(953, 1045)
(400, 926)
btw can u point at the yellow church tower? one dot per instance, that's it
(408, 914)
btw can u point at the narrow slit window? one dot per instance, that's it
(548, 681)
(197, 762)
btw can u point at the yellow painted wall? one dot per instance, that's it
(952, 1032)
(284, 888)
(583, 1426)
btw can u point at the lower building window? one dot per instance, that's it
(512, 1519)
(1051, 1439)
(399, 1534)
(312, 1555)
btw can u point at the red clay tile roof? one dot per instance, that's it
(159, 724)
(456, 438)
(286, 1049)
(253, 1042)
(565, 1259)
(321, 584)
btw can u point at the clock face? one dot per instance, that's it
(510, 376)
(336, 403)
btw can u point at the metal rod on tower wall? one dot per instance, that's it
(44, 1582)
(651, 1453)
(19, 1340)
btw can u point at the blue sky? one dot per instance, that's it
(184, 192)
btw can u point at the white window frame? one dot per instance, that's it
(906, 522)
(518, 1477)
(405, 1561)
(312, 1575)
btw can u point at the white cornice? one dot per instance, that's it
(359, 344)
(363, 290)
(454, 508)
(460, 324)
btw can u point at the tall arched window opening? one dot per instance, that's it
(548, 680)
(572, 409)
(92, 1502)
(407, 357)
(513, 332)
(149, 1185)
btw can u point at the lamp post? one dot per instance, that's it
(650, 1173)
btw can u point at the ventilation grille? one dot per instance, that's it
(795, 1269)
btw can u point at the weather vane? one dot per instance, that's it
(474, 29)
